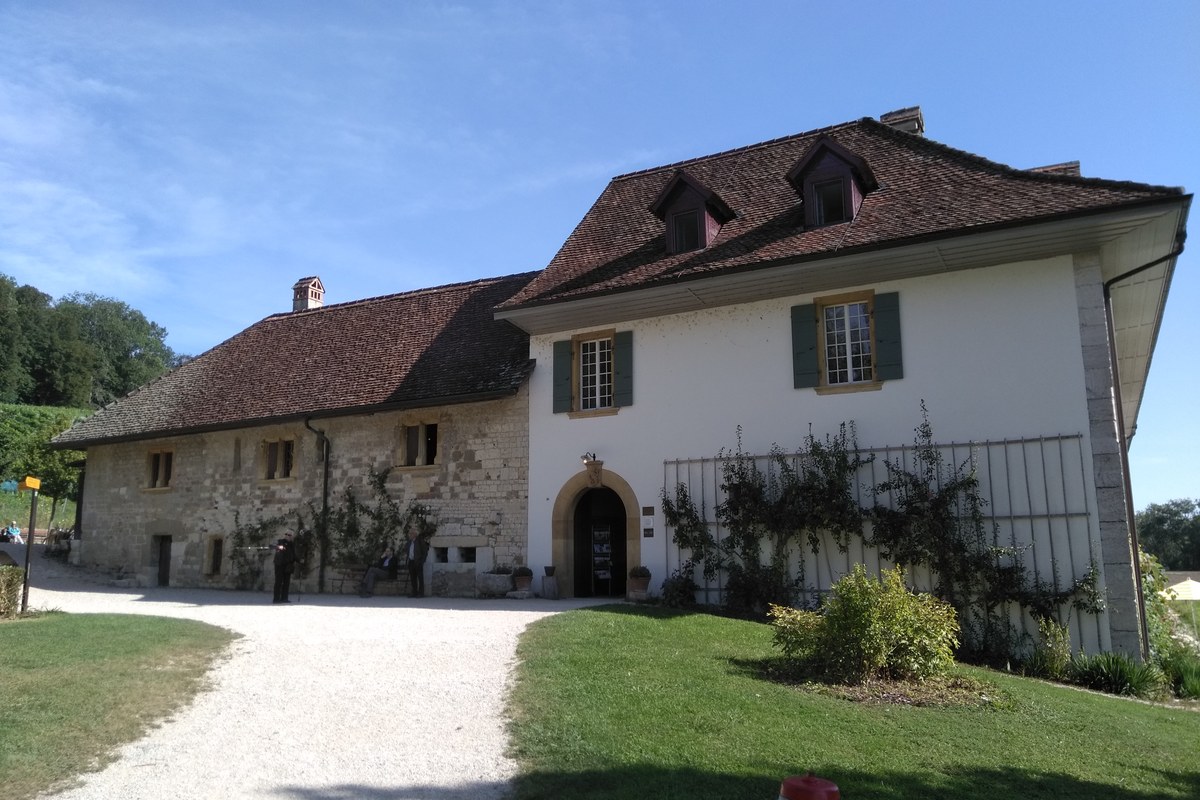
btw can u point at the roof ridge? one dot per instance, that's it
(426, 290)
(1027, 173)
(736, 150)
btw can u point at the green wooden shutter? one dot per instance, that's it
(805, 370)
(562, 376)
(623, 369)
(889, 361)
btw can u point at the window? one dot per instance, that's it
(830, 199)
(847, 342)
(685, 231)
(593, 372)
(418, 444)
(159, 465)
(278, 459)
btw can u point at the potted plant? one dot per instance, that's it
(522, 578)
(639, 579)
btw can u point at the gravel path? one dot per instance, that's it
(329, 697)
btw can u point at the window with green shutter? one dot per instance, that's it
(847, 342)
(593, 373)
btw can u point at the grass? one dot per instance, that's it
(76, 687)
(16, 506)
(632, 702)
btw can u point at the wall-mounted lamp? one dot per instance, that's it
(587, 458)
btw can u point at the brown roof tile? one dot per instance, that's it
(925, 189)
(428, 347)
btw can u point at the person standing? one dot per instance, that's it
(285, 562)
(418, 548)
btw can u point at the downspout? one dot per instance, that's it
(1130, 517)
(323, 538)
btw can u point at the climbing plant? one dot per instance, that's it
(935, 519)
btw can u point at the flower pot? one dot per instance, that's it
(549, 571)
(638, 584)
(523, 582)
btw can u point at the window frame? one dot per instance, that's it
(278, 456)
(808, 341)
(821, 305)
(567, 373)
(425, 432)
(160, 469)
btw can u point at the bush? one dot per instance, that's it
(1052, 656)
(12, 580)
(679, 590)
(1116, 673)
(870, 629)
(1181, 668)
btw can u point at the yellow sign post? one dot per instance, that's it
(29, 484)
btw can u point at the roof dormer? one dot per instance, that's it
(831, 182)
(693, 213)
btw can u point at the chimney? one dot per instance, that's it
(308, 293)
(908, 120)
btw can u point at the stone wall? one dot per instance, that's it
(476, 488)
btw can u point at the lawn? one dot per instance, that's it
(634, 702)
(76, 687)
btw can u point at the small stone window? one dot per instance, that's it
(418, 444)
(159, 466)
(279, 459)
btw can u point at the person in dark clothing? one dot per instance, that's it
(285, 562)
(386, 567)
(417, 549)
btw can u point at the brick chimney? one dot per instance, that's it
(308, 293)
(908, 120)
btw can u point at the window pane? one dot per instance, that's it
(167, 461)
(595, 374)
(686, 231)
(848, 343)
(272, 459)
(831, 202)
(430, 443)
(412, 444)
(288, 453)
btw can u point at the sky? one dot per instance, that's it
(195, 159)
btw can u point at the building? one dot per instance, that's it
(846, 275)
(281, 420)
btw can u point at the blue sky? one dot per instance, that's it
(195, 159)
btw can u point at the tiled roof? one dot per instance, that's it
(427, 347)
(925, 190)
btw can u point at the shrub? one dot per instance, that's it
(1181, 668)
(1052, 656)
(522, 572)
(679, 590)
(12, 580)
(870, 628)
(639, 572)
(1116, 673)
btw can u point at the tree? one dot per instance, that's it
(127, 349)
(1171, 532)
(25, 433)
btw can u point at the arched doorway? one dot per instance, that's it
(575, 506)
(600, 545)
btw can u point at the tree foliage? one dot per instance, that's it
(83, 351)
(25, 433)
(1171, 532)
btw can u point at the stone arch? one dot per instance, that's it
(563, 520)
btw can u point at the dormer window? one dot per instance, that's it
(693, 213)
(830, 200)
(685, 231)
(831, 182)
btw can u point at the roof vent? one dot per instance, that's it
(908, 120)
(308, 293)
